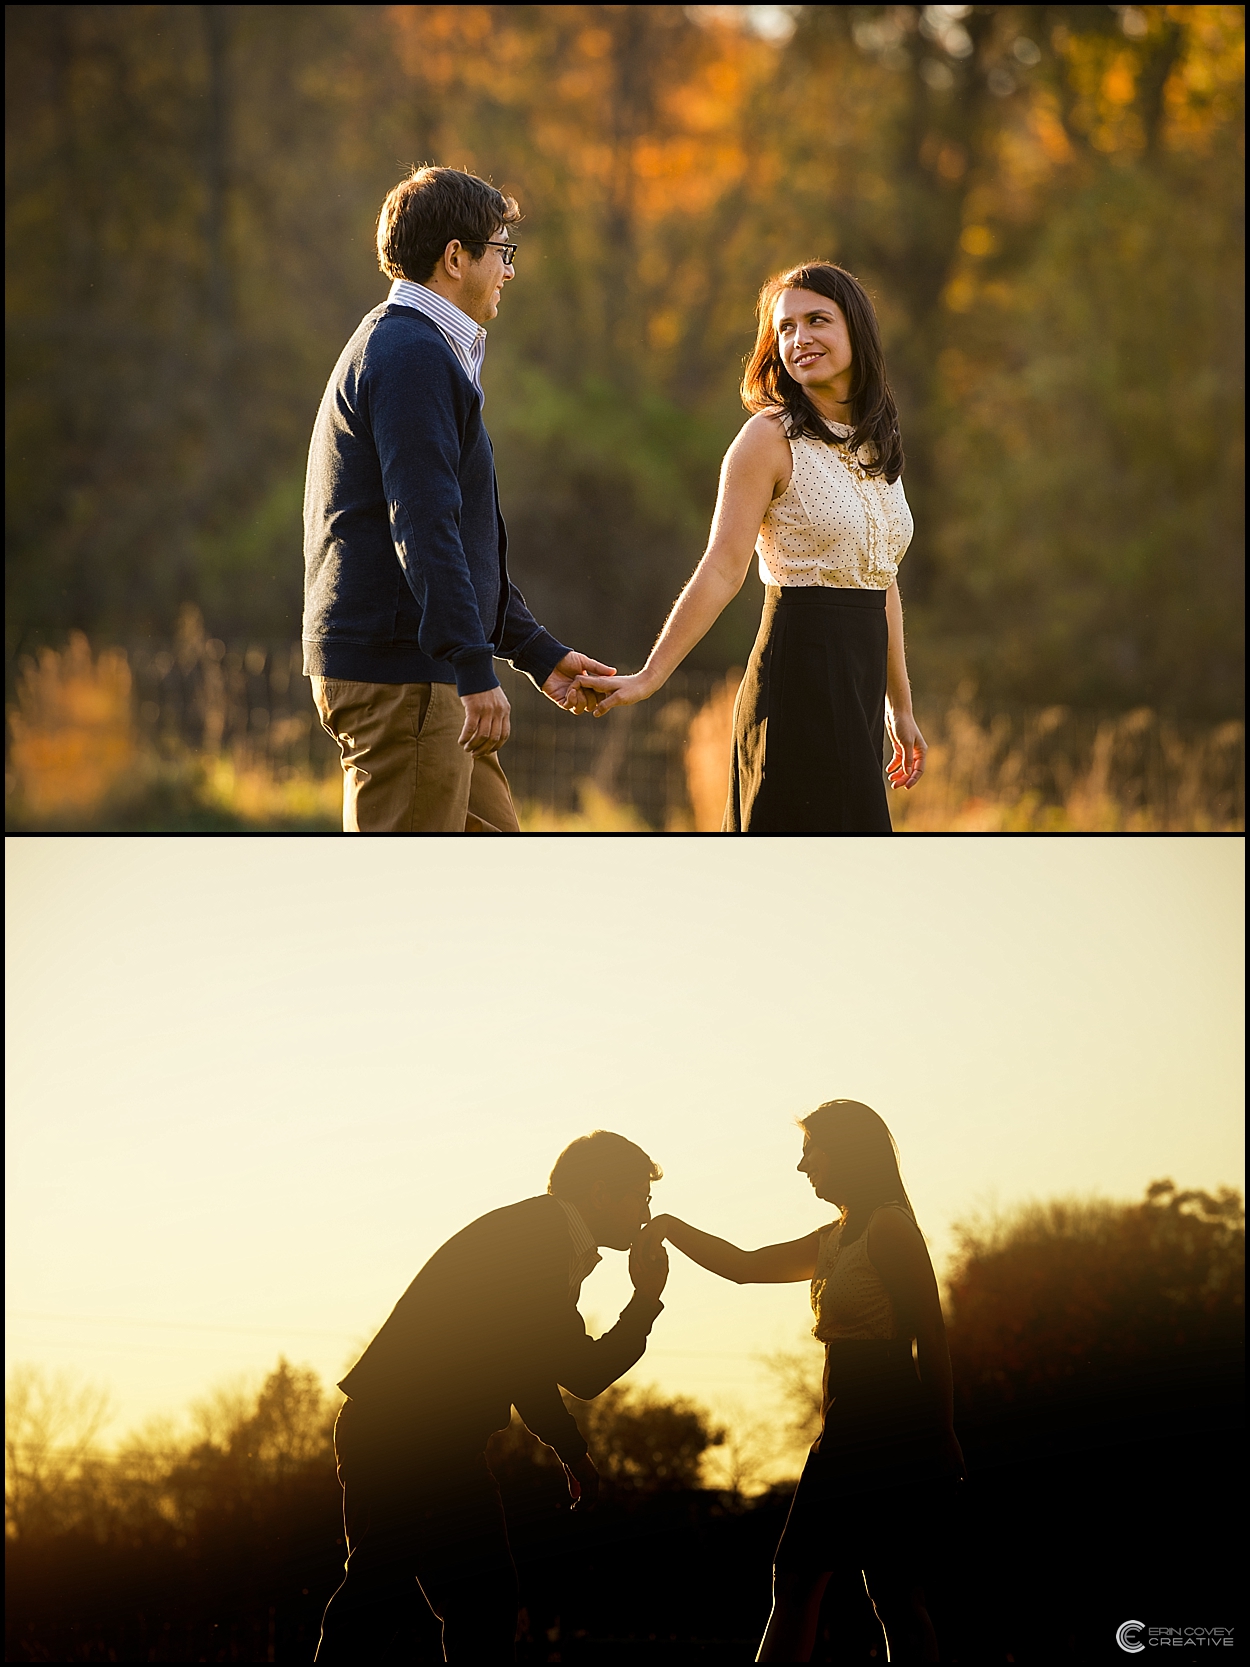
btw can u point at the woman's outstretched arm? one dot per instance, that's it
(754, 465)
(773, 1264)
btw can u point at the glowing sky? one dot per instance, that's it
(254, 1083)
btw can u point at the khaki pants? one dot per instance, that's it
(403, 771)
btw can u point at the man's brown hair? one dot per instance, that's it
(601, 1156)
(424, 212)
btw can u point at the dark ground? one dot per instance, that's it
(1073, 1521)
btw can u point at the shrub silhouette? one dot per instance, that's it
(1060, 1292)
(644, 1442)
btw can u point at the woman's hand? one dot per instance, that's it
(907, 765)
(650, 1242)
(561, 686)
(617, 691)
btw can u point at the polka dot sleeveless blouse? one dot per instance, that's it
(835, 524)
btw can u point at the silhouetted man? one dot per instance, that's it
(490, 1323)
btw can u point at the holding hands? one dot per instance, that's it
(488, 716)
(650, 1242)
(567, 683)
(648, 1261)
(603, 693)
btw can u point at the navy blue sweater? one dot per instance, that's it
(405, 572)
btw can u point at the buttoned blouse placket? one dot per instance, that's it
(870, 502)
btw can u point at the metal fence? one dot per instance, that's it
(253, 699)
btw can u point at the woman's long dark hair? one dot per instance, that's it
(866, 1154)
(768, 386)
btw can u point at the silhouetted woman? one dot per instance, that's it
(881, 1474)
(812, 483)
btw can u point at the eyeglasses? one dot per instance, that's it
(509, 249)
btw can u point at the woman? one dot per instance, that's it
(813, 484)
(882, 1471)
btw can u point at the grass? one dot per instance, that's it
(597, 812)
(78, 762)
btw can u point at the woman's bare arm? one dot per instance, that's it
(773, 1264)
(907, 765)
(754, 466)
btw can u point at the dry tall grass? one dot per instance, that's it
(597, 812)
(73, 739)
(707, 755)
(1048, 772)
(77, 760)
(1053, 772)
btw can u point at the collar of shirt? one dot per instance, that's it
(465, 336)
(585, 1251)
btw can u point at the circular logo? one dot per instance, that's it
(1126, 1639)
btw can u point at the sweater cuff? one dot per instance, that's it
(540, 656)
(642, 1312)
(475, 671)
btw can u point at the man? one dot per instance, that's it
(490, 1323)
(406, 593)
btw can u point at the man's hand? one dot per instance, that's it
(616, 691)
(562, 687)
(648, 1266)
(583, 1480)
(650, 1242)
(487, 722)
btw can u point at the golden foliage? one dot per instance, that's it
(1050, 197)
(597, 812)
(707, 755)
(73, 741)
(1036, 775)
(77, 761)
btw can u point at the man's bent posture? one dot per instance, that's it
(490, 1323)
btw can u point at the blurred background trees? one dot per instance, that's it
(1097, 1351)
(1044, 200)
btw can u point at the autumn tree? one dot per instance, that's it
(1063, 1293)
(1045, 202)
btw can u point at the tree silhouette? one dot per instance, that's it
(1063, 1292)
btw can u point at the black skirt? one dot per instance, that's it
(809, 724)
(879, 1480)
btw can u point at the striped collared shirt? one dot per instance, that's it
(585, 1251)
(465, 337)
